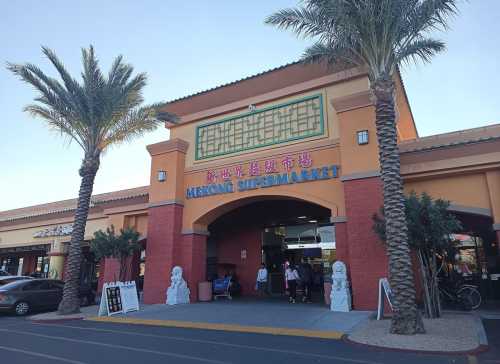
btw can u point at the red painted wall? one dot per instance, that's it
(367, 255)
(341, 242)
(193, 261)
(162, 250)
(229, 246)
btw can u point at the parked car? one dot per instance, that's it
(8, 279)
(23, 296)
(4, 273)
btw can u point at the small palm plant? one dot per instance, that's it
(97, 113)
(107, 244)
(379, 35)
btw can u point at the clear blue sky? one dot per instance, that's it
(186, 47)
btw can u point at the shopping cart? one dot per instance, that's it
(221, 287)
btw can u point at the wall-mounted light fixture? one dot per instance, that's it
(362, 137)
(252, 107)
(162, 176)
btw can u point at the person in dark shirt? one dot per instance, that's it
(307, 281)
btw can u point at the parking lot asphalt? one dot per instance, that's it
(23, 341)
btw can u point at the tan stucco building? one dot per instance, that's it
(279, 166)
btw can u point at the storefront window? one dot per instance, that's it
(470, 255)
(42, 266)
(9, 264)
(312, 242)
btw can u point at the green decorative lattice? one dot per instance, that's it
(295, 120)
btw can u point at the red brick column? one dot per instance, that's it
(163, 247)
(367, 255)
(341, 242)
(194, 261)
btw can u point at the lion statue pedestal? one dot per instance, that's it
(178, 292)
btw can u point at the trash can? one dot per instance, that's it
(204, 291)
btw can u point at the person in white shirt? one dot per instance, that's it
(291, 276)
(262, 280)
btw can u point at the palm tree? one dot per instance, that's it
(99, 112)
(379, 35)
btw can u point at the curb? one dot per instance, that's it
(479, 349)
(331, 335)
(48, 321)
(54, 318)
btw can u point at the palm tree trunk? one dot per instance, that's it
(406, 318)
(70, 302)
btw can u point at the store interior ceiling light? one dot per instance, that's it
(302, 217)
(313, 221)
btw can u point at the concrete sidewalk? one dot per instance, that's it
(271, 317)
(454, 332)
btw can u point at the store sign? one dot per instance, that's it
(59, 230)
(262, 174)
(311, 246)
(118, 297)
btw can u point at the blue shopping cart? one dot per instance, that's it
(221, 287)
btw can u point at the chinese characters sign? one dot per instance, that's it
(274, 125)
(261, 174)
(258, 168)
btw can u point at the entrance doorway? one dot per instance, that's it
(478, 255)
(274, 232)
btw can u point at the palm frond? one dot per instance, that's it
(329, 52)
(433, 14)
(99, 111)
(134, 124)
(56, 121)
(302, 21)
(377, 33)
(420, 49)
(73, 87)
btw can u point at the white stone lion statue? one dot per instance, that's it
(340, 296)
(178, 292)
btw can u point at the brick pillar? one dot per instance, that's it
(367, 255)
(194, 261)
(341, 241)
(162, 250)
(166, 201)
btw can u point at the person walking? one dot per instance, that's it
(262, 280)
(306, 278)
(292, 276)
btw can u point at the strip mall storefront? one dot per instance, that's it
(281, 166)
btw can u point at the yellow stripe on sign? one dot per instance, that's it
(335, 335)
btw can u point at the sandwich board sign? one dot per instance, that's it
(130, 301)
(383, 285)
(118, 297)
